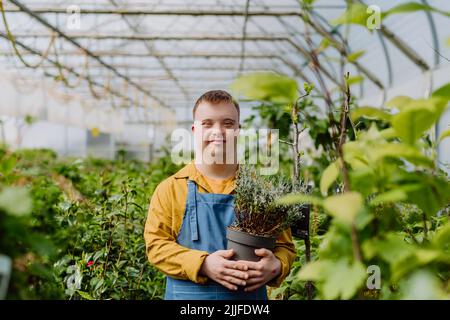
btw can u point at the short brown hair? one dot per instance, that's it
(215, 97)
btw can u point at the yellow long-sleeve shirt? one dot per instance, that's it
(164, 220)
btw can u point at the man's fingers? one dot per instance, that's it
(227, 254)
(253, 287)
(235, 273)
(263, 252)
(227, 285)
(253, 281)
(252, 265)
(234, 280)
(254, 274)
(236, 265)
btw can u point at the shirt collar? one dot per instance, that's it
(191, 172)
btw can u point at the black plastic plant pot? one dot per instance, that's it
(244, 244)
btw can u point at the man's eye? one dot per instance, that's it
(207, 124)
(229, 123)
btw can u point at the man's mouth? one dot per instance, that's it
(217, 141)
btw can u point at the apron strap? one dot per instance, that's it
(192, 203)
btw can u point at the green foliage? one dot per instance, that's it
(444, 135)
(83, 235)
(400, 192)
(266, 86)
(329, 176)
(355, 55)
(355, 14)
(15, 201)
(358, 13)
(395, 216)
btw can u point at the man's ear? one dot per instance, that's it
(192, 127)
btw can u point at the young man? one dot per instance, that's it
(185, 232)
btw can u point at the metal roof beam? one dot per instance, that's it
(87, 51)
(69, 69)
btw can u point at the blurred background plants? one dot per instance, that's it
(74, 227)
(385, 199)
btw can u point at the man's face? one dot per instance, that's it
(215, 130)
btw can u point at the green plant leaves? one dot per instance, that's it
(398, 102)
(315, 271)
(355, 55)
(294, 198)
(412, 7)
(16, 201)
(354, 80)
(444, 135)
(337, 279)
(401, 256)
(355, 14)
(330, 174)
(407, 8)
(85, 295)
(398, 150)
(416, 116)
(371, 113)
(7, 164)
(345, 206)
(266, 86)
(442, 92)
(345, 280)
(442, 237)
(411, 124)
(422, 285)
(431, 194)
(396, 195)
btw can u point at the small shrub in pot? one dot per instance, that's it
(259, 220)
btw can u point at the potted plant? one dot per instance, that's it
(259, 220)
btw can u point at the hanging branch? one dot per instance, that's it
(295, 143)
(342, 136)
(62, 77)
(315, 66)
(296, 176)
(14, 45)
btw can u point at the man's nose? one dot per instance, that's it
(218, 128)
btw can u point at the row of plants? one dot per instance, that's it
(74, 227)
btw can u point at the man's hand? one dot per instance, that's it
(217, 267)
(262, 271)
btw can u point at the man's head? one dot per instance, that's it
(216, 122)
(216, 97)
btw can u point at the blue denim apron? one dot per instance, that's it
(204, 228)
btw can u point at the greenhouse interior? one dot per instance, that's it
(345, 108)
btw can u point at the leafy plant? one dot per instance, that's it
(389, 208)
(82, 237)
(255, 207)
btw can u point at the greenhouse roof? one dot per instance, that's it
(164, 54)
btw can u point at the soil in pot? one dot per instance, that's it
(244, 244)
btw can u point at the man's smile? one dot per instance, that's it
(217, 141)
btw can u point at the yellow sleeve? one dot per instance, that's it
(285, 252)
(162, 249)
